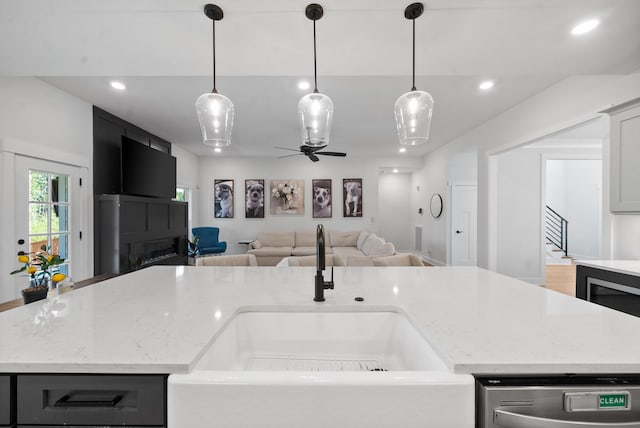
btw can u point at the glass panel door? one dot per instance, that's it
(49, 208)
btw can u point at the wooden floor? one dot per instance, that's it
(562, 278)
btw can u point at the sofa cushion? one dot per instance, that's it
(404, 259)
(255, 244)
(344, 239)
(306, 239)
(372, 244)
(361, 238)
(230, 260)
(386, 249)
(277, 239)
(359, 261)
(346, 251)
(305, 251)
(310, 261)
(271, 251)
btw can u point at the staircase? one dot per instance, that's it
(556, 234)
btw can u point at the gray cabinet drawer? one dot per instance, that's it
(91, 400)
(5, 400)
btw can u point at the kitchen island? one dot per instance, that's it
(162, 320)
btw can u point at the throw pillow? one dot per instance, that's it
(361, 238)
(372, 242)
(386, 249)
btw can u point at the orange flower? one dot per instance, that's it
(31, 270)
(23, 259)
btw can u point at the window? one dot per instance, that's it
(49, 214)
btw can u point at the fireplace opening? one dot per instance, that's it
(152, 252)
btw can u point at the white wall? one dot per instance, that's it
(394, 209)
(41, 121)
(570, 102)
(576, 191)
(451, 163)
(519, 220)
(241, 169)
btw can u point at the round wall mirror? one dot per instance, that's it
(436, 205)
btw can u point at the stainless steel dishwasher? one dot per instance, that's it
(570, 401)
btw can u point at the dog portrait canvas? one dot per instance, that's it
(321, 198)
(352, 197)
(223, 198)
(254, 198)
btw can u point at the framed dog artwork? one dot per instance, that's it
(352, 197)
(223, 198)
(321, 198)
(254, 198)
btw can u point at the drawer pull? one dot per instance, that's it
(67, 401)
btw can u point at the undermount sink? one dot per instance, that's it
(320, 341)
(277, 367)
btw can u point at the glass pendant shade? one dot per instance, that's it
(315, 112)
(215, 114)
(413, 112)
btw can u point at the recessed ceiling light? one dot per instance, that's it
(395, 170)
(118, 85)
(584, 27)
(304, 85)
(217, 150)
(486, 85)
(402, 149)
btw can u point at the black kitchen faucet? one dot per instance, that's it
(321, 284)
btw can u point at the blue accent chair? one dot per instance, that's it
(208, 242)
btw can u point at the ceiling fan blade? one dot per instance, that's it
(332, 154)
(286, 148)
(313, 157)
(288, 156)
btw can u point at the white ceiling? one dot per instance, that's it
(161, 49)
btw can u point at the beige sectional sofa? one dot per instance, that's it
(398, 259)
(271, 247)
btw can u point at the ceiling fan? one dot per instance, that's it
(311, 152)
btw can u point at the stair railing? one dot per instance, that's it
(556, 229)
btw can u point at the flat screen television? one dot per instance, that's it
(146, 171)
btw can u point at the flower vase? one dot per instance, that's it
(33, 294)
(286, 204)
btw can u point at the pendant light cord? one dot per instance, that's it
(413, 88)
(214, 57)
(315, 70)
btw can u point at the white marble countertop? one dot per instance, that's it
(161, 319)
(629, 267)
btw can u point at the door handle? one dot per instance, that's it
(67, 401)
(507, 419)
(458, 231)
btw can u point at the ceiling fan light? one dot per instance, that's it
(215, 115)
(413, 111)
(315, 113)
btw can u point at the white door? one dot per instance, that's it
(48, 210)
(463, 224)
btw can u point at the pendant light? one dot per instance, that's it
(413, 110)
(315, 110)
(214, 110)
